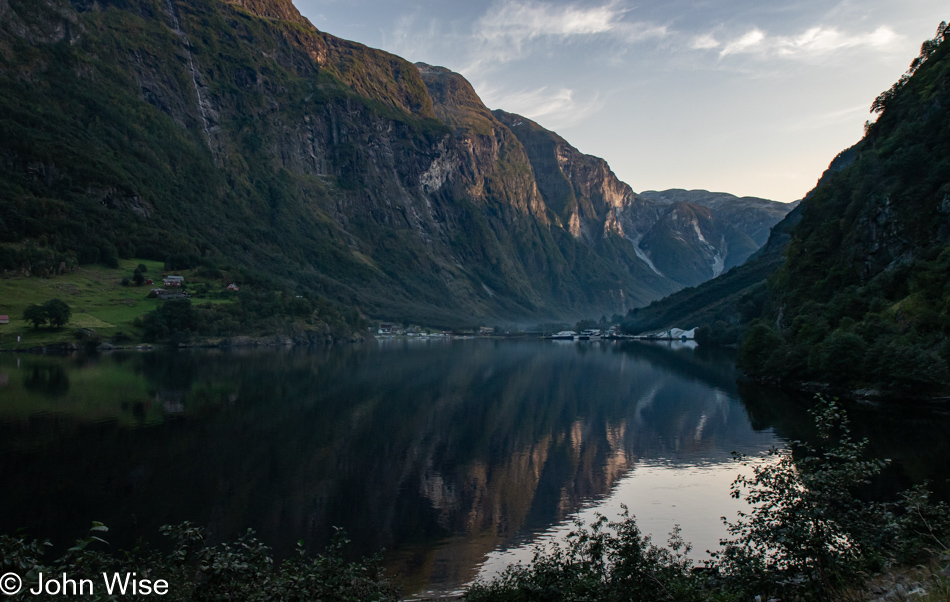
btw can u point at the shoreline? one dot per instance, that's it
(67, 348)
(865, 396)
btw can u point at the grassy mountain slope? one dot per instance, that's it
(112, 147)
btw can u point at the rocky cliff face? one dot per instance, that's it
(691, 244)
(580, 190)
(686, 237)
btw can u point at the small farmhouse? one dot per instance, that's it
(173, 281)
(4, 319)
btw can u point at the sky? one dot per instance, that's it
(751, 97)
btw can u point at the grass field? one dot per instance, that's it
(96, 296)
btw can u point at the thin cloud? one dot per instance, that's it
(638, 32)
(556, 108)
(408, 39)
(704, 42)
(746, 43)
(505, 32)
(814, 42)
(519, 20)
(819, 40)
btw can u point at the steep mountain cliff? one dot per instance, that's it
(581, 190)
(234, 134)
(686, 237)
(725, 301)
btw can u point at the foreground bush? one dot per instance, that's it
(194, 570)
(603, 562)
(807, 536)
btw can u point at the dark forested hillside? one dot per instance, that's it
(859, 297)
(862, 298)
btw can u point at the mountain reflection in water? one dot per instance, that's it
(452, 455)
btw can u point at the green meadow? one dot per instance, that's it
(96, 296)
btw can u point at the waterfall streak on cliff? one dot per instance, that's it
(204, 108)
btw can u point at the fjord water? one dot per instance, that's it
(454, 456)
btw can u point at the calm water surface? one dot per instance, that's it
(454, 456)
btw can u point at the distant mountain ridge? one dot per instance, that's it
(233, 135)
(752, 215)
(692, 244)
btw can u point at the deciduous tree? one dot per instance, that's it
(36, 315)
(58, 312)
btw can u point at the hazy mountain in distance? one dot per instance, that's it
(691, 244)
(752, 215)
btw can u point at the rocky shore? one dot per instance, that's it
(88, 340)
